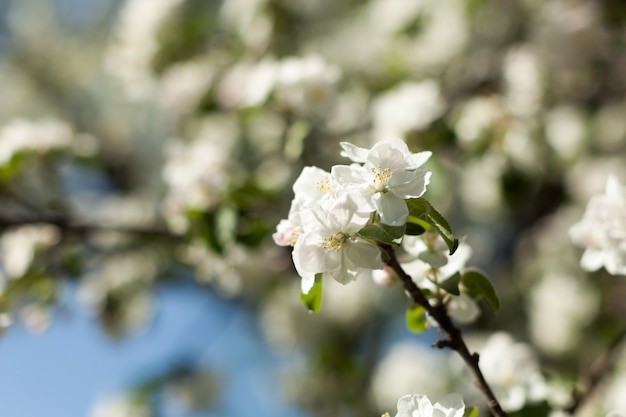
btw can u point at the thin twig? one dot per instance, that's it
(455, 339)
(600, 368)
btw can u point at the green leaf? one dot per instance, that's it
(422, 213)
(477, 285)
(416, 319)
(313, 299)
(382, 232)
(470, 412)
(451, 285)
(416, 226)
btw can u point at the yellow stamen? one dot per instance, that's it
(333, 243)
(381, 178)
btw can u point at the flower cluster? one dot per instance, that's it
(602, 230)
(330, 208)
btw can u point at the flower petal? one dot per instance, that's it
(355, 153)
(414, 406)
(392, 209)
(363, 254)
(410, 184)
(450, 406)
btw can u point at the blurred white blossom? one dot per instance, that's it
(602, 230)
(560, 306)
(406, 367)
(512, 371)
(122, 280)
(41, 136)
(183, 85)
(197, 172)
(19, 246)
(523, 76)
(248, 84)
(250, 20)
(306, 84)
(477, 119)
(566, 131)
(129, 56)
(429, 263)
(410, 106)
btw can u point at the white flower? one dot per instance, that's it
(432, 264)
(463, 308)
(329, 243)
(420, 406)
(42, 136)
(512, 371)
(20, 245)
(306, 84)
(389, 175)
(286, 233)
(129, 57)
(314, 186)
(313, 189)
(602, 230)
(560, 307)
(409, 106)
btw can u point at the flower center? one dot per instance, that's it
(333, 243)
(293, 237)
(324, 185)
(381, 178)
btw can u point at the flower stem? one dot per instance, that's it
(455, 339)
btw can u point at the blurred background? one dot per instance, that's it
(147, 152)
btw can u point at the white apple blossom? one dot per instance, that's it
(431, 263)
(329, 243)
(135, 43)
(602, 230)
(420, 406)
(20, 245)
(408, 107)
(33, 136)
(306, 84)
(286, 233)
(389, 175)
(313, 188)
(512, 371)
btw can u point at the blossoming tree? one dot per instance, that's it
(445, 173)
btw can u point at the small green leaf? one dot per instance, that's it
(416, 226)
(382, 232)
(470, 412)
(477, 285)
(313, 299)
(416, 319)
(421, 211)
(451, 285)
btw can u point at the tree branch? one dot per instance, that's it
(600, 368)
(455, 339)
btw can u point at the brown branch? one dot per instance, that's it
(81, 229)
(455, 339)
(600, 368)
